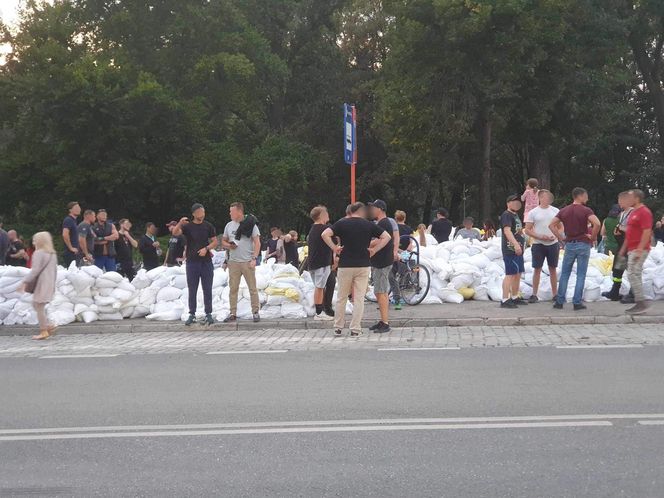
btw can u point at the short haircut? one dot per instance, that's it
(443, 212)
(578, 192)
(317, 212)
(348, 210)
(543, 191)
(149, 225)
(400, 216)
(638, 193)
(273, 229)
(122, 221)
(101, 211)
(88, 211)
(293, 234)
(238, 205)
(71, 205)
(625, 193)
(468, 219)
(355, 207)
(532, 182)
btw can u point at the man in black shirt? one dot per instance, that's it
(124, 247)
(512, 245)
(442, 227)
(176, 246)
(201, 238)
(320, 260)
(16, 255)
(148, 246)
(70, 234)
(355, 234)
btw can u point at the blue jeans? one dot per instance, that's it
(202, 271)
(579, 252)
(105, 263)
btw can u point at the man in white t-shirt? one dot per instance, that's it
(545, 243)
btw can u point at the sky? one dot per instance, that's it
(8, 10)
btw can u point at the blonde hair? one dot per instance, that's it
(400, 216)
(43, 241)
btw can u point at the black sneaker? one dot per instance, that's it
(257, 318)
(375, 326)
(356, 334)
(533, 299)
(230, 318)
(520, 301)
(337, 332)
(191, 320)
(579, 307)
(329, 312)
(558, 306)
(208, 320)
(383, 328)
(509, 304)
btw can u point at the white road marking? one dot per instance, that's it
(266, 351)
(420, 349)
(300, 430)
(651, 422)
(59, 356)
(601, 346)
(323, 423)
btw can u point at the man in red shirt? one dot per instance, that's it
(637, 247)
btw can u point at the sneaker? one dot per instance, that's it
(257, 318)
(398, 304)
(383, 328)
(323, 317)
(329, 312)
(375, 326)
(558, 306)
(580, 307)
(533, 299)
(355, 333)
(627, 300)
(337, 333)
(509, 304)
(638, 308)
(520, 301)
(191, 320)
(208, 320)
(230, 318)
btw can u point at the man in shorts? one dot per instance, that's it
(320, 260)
(512, 246)
(545, 244)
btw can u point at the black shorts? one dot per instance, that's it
(542, 252)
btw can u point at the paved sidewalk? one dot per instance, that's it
(468, 314)
(212, 341)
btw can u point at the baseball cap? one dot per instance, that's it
(196, 207)
(514, 197)
(380, 204)
(171, 224)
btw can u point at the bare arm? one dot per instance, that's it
(554, 226)
(66, 237)
(327, 238)
(384, 239)
(114, 234)
(603, 231)
(83, 244)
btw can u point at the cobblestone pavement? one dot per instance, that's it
(216, 341)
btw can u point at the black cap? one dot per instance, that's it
(514, 197)
(196, 207)
(380, 204)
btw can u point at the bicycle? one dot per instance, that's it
(414, 280)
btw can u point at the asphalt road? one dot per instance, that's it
(336, 423)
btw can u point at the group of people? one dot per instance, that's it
(575, 228)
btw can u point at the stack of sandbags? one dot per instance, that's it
(15, 308)
(116, 298)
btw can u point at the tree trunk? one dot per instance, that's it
(485, 177)
(652, 81)
(540, 167)
(428, 205)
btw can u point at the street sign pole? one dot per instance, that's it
(350, 145)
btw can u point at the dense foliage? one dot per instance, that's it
(144, 107)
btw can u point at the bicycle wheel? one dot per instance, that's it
(414, 284)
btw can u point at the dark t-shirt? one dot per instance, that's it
(290, 248)
(575, 219)
(441, 230)
(102, 230)
(272, 247)
(15, 247)
(384, 257)
(320, 255)
(149, 252)
(70, 223)
(512, 220)
(355, 235)
(175, 249)
(85, 231)
(123, 249)
(404, 236)
(198, 236)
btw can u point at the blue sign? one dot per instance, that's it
(350, 142)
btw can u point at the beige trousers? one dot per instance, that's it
(356, 279)
(235, 273)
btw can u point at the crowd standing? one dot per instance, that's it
(366, 243)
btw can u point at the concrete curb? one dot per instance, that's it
(143, 326)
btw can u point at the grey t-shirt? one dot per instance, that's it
(468, 233)
(245, 246)
(85, 230)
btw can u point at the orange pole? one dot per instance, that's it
(352, 183)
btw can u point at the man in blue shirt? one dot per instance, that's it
(70, 233)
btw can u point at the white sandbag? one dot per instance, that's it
(271, 312)
(123, 295)
(220, 278)
(450, 296)
(168, 294)
(61, 317)
(169, 315)
(293, 311)
(93, 271)
(89, 316)
(179, 281)
(155, 272)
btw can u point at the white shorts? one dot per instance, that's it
(320, 276)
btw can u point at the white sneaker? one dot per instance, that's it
(323, 317)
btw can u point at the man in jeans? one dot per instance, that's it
(355, 233)
(578, 242)
(242, 240)
(105, 236)
(201, 238)
(637, 247)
